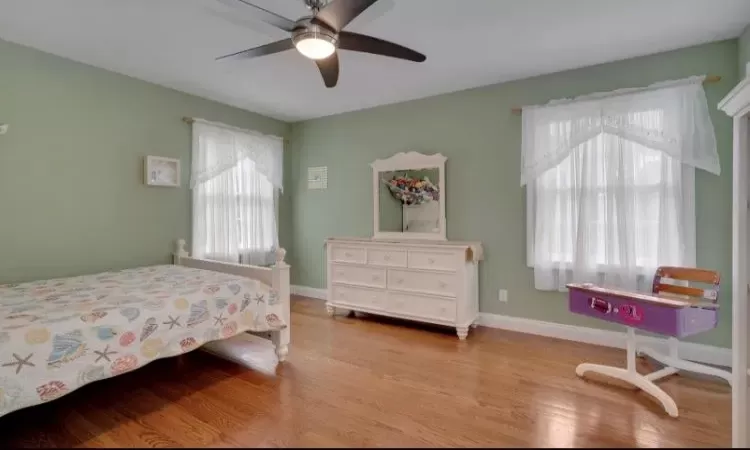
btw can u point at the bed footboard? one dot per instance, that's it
(276, 276)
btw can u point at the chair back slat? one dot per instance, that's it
(681, 290)
(687, 274)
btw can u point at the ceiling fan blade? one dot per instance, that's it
(374, 12)
(243, 21)
(329, 69)
(268, 49)
(338, 13)
(268, 16)
(369, 44)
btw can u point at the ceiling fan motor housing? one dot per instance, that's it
(305, 29)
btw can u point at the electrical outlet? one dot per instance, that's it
(3, 128)
(502, 295)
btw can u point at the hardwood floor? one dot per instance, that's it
(376, 382)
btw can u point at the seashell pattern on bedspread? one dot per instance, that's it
(58, 335)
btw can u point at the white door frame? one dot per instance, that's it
(737, 105)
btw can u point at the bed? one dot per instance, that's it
(58, 335)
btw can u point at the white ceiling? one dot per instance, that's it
(468, 43)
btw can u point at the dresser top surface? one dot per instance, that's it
(476, 247)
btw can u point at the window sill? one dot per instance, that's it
(641, 271)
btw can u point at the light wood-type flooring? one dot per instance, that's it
(378, 383)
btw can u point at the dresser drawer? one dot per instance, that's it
(386, 257)
(421, 259)
(436, 283)
(341, 253)
(363, 276)
(352, 296)
(434, 308)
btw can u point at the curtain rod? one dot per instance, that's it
(192, 120)
(708, 79)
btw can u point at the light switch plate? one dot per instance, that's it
(502, 295)
(317, 177)
(3, 128)
(747, 69)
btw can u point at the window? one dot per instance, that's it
(236, 177)
(251, 208)
(619, 203)
(610, 183)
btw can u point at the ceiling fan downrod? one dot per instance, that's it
(315, 5)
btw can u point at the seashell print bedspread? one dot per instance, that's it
(58, 335)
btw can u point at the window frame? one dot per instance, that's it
(275, 199)
(688, 204)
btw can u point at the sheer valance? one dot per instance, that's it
(218, 148)
(671, 117)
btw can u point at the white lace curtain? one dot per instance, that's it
(236, 175)
(610, 183)
(217, 148)
(683, 130)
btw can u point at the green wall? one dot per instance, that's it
(72, 199)
(480, 136)
(744, 52)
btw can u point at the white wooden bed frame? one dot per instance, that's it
(276, 276)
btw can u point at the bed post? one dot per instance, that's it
(281, 338)
(179, 252)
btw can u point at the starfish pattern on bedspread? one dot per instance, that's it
(172, 322)
(20, 362)
(104, 354)
(220, 319)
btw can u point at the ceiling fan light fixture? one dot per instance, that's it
(320, 34)
(315, 43)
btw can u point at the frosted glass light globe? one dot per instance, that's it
(315, 48)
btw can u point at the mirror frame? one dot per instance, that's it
(408, 161)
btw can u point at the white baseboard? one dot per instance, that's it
(309, 292)
(701, 353)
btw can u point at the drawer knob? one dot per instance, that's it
(375, 278)
(387, 257)
(443, 310)
(399, 280)
(431, 260)
(443, 284)
(348, 255)
(340, 274)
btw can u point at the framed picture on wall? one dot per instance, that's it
(160, 171)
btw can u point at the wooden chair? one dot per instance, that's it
(675, 309)
(705, 314)
(699, 296)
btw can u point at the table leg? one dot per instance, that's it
(681, 364)
(630, 375)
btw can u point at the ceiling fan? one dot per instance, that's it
(319, 35)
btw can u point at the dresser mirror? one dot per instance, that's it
(408, 197)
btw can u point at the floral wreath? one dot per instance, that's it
(412, 191)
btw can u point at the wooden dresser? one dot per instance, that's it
(427, 281)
